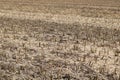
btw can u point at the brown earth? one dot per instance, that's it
(79, 7)
(88, 2)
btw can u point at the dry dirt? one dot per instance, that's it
(59, 40)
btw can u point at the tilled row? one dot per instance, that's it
(66, 19)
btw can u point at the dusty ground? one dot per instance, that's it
(88, 2)
(87, 8)
(45, 41)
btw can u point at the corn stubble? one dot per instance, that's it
(50, 51)
(41, 50)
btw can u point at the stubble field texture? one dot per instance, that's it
(60, 40)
